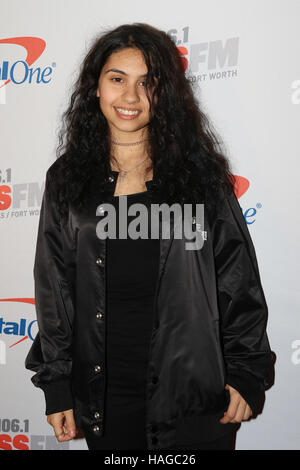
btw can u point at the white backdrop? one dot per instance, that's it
(244, 55)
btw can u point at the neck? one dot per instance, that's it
(128, 156)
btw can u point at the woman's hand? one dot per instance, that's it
(238, 409)
(63, 424)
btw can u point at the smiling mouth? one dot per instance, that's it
(127, 112)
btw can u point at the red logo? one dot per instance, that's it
(183, 51)
(241, 185)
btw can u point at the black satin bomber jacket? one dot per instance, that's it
(209, 325)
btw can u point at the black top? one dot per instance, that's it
(132, 270)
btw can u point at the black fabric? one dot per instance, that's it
(125, 440)
(132, 269)
(58, 396)
(209, 325)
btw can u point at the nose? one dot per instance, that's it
(131, 94)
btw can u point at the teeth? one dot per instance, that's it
(125, 111)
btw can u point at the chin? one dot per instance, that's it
(129, 126)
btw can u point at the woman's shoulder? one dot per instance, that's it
(55, 169)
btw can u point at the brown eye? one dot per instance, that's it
(116, 78)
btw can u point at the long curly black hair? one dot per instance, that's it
(186, 155)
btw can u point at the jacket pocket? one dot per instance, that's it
(219, 349)
(67, 302)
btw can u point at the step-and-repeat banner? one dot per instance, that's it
(243, 60)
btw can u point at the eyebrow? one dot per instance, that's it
(122, 72)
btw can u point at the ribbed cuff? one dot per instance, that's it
(58, 396)
(247, 386)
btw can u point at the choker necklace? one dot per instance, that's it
(128, 143)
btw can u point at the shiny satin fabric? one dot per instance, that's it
(209, 324)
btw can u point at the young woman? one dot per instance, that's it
(144, 343)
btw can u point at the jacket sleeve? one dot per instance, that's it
(242, 306)
(50, 352)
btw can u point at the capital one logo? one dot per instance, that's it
(18, 330)
(21, 71)
(241, 185)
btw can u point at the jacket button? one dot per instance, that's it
(97, 368)
(154, 379)
(97, 415)
(99, 315)
(96, 429)
(101, 210)
(99, 261)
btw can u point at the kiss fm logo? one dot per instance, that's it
(15, 435)
(18, 200)
(218, 57)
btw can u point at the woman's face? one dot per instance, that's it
(121, 89)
